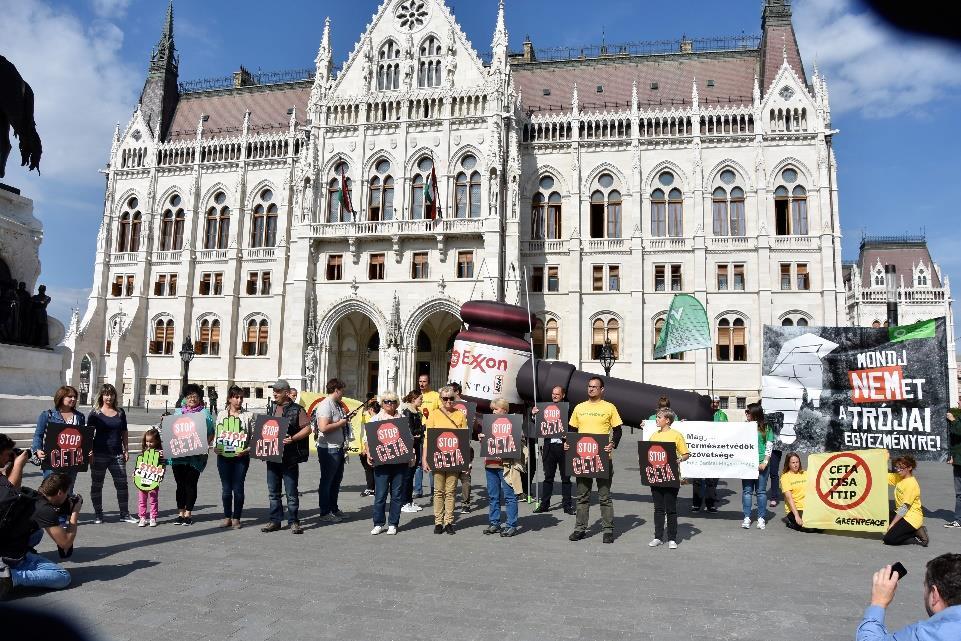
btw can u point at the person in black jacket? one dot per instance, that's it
(296, 451)
(553, 453)
(411, 409)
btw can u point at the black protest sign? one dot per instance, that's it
(390, 441)
(503, 436)
(469, 408)
(66, 447)
(658, 461)
(550, 420)
(586, 456)
(184, 434)
(267, 443)
(448, 450)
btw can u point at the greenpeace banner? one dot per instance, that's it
(310, 401)
(847, 491)
(718, 450)
(846, 388)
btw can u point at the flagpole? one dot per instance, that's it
(530, 325)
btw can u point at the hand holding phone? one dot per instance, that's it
(898, 569)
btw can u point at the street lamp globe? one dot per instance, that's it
(607, 357)
(187, 350)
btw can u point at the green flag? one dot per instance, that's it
(685, 327)
(922, 329)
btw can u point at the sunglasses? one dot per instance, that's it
(391, 401)
(447, 398)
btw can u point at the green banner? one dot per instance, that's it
(685, 327)
(922, 329)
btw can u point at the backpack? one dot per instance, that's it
(16, 508)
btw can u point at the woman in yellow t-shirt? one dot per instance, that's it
(793, 483)
(907, 524)
(447, 416)
(665, 498)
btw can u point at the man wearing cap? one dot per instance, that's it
(705, 490)
(296, 451)
(332, 421)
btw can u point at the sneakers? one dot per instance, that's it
(956, 524)
(608, 537)
(922, 537)
(418, 495)
(570, 510)
(377, 530)
(464, 508)
(410, 507)
(142, 523)
(493, 528)
(761, 524)
(98, 519)
(180, 520)
(540, 509)
(695, 508)
(128, 518)
(417, 508)
(577, 535)
(153, 522)
(712, 509)
(295, 528)
(655, 543)
(187, 521)
(449, 528)
(438, 529)
(672, 545)
(746, 523)
(391, 529)
(330, 517)
(367, 493)
(340, 515)
(772, 503)
(508, 531)
(273, 526)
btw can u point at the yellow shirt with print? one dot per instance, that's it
(595, 417)
(907, 492)
(429, 402)
(671, 435)
(455, 420)
(795, 484)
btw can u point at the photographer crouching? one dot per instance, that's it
(24, 515)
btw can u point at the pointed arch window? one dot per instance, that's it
(790, 206)
(128, 230)
(546, 211)
(163, 337)
(467, 189)
(429, 71)
(728, 212)
(263, 232)
(257, 337)
(380, 204)
(209, 337)
(675, 213)
(546, 339)
(658, 213)
(604, 329)
(731, 340)
(217, 223)
(336, 211)
(606, 208)
(388, 66)
(421, 207)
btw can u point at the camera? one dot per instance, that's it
(68, 506)
(17, 452)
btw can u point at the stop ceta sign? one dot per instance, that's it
(843, 482)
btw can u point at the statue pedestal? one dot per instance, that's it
(20, 236)
(29, 377)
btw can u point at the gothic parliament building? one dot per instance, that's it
(290, 226)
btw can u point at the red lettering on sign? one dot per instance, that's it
(878, 384)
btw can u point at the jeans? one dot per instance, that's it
(148, 503)
(705, 490)
(290, 475)
(445, 490)
(957, 492)
(774, 471)
(368, 473)
(389, 477)
(36, 571)
(584, 484)
(749, 487)
(665, 503)
(118, 471)
(497, 487)
(410, 476)
(418, 479)
(233, 473)
(554, 463)
(187, 477)
(331, 474)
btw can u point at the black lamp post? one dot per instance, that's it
(186, 355)
(607, 356)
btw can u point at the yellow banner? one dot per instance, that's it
(310, 401)
(847, 491)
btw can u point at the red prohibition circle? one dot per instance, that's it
(858, 462)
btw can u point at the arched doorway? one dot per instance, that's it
(86, 365)
(435, 339)
(354, 354)
(128, 391)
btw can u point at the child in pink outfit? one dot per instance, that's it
(149, 500)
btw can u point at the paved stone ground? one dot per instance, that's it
(338, 582)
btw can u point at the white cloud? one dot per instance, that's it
(64, 299)
(81, 85)
(870, 67)
(111, 8)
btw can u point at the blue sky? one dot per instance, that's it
(895, 97)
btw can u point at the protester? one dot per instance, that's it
(754, 413)
(233, 469)
(387, 477)
(793, 485)
(705, 490)
(27, 568)
(907, 524)
(371, 407)
(954, 436)
(411, 409)
(774, 493)
(553, 456)
(296, 451)
(665, 498)
(148, 502)
(497, 486)
(465, 480)
(12, 462)
(187, 469)
(430, 400)
(333, 421)
(64, 411)
(445, 482)
(109, 424)
(595, 416)
(942, 600)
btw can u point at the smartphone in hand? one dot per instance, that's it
(899, 569)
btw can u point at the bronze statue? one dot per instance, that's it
(16, 110)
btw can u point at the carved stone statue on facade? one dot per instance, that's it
(23, 318)
(40, 334)
(451, 61)
(368, 67)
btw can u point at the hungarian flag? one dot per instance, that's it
(431, 195)
(343, 196)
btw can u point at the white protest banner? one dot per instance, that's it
(718, 450)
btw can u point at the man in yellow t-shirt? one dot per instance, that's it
(430, 400)
(595, 416)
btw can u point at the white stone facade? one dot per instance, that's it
(776, 138)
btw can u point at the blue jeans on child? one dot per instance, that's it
(36, 571)
(496, 487)
(749, 487)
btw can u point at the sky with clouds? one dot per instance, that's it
(895, 97)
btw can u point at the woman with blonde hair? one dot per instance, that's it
(447, 416)
(109, 424)
(499, 474)
(389, 477)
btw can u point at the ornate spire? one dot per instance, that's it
(575, 101)
(293, 119)
(756, 93)
(325, 65)
(499, 42)
(164, 54)
(246, 125)
(694, 94)
(394, 335)
(634, 101)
